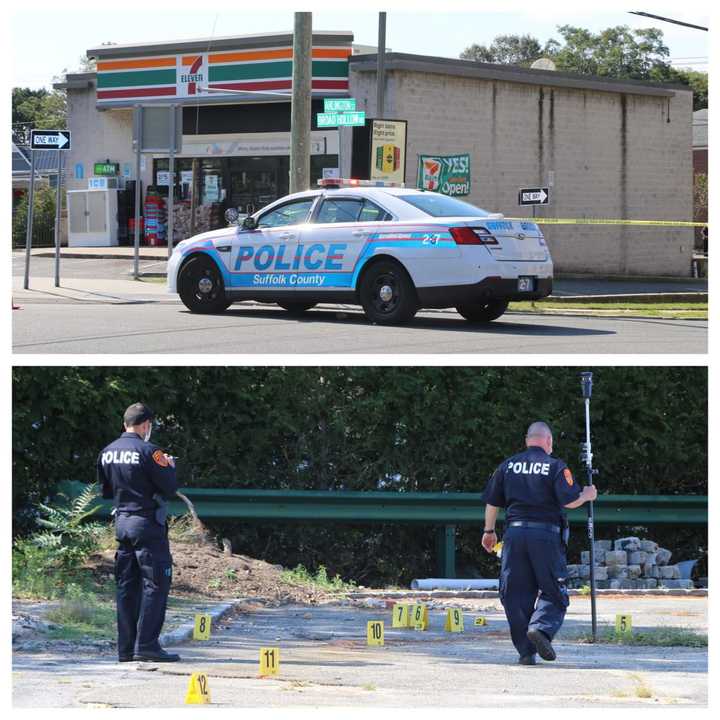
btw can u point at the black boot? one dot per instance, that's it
(528, 660)
(542, 642)
(156, 656)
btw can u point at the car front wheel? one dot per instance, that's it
(200, 286)
(483, 311)
(387, 294)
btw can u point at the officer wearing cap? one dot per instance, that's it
(139, 477)
(534, 488)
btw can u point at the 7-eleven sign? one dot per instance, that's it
(191, 70)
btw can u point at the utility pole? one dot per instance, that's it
(380, 104)
(301, 103)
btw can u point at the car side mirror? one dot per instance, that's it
(249, 223)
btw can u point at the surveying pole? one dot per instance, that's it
(301, 103)
(586, 457)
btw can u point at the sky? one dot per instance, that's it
(62, 32)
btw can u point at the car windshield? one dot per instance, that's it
(442, 206)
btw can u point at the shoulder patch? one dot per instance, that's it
(568, 476)
(159, 457)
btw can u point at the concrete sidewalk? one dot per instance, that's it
(82, 290)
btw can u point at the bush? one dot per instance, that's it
(47, 563)
(43, 217)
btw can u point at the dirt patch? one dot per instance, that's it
(202, 570)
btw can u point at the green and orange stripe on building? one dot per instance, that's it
(269, 69)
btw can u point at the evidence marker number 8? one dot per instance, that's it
(201, 631)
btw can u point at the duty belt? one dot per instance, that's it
(538, 525)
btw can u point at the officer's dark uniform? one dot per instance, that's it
(533, 487)
(131, 471)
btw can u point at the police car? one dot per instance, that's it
(392, 250)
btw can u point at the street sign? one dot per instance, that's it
(534, 196)
(333, 105)
(50, 139)
(340, 119)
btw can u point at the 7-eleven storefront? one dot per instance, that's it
(235, 144)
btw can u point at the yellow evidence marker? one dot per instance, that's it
(269, 661)
(480, 621)
(376, 632)
(454, 621)
(401, 615)
(201, 631)
(198, 690)
(623, 624)
(421, 619)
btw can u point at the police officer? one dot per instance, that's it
(534, 488)
(139, 477)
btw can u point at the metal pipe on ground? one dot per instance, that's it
(453, 584)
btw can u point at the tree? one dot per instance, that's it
(616, 52)
(506, 49)
(37, 109)
(697, 81)
(43, 217)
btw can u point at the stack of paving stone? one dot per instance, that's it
(628, 564)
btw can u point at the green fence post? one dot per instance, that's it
(446, 551)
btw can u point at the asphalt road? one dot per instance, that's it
(325, 661)
(80, 327)
(100, 310)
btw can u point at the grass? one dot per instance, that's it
(81, 616)
(676, 310)
(302, 576)
(656, 637)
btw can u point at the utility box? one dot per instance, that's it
(92, 218)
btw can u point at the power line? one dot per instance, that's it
(670, 20)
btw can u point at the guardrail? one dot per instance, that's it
(445, 510)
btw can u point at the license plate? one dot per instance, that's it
(526, 284)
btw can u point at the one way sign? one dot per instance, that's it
(534, 196)
(50, 139)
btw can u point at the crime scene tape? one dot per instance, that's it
(603, 221)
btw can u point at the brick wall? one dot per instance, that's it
(612, 155)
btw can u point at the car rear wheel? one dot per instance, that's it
(483, 311)
(296, 308)
(200, 286)
(387, 294)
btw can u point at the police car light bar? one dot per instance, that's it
(354, 182)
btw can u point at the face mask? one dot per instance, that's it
(148, 433)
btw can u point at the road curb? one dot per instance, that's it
(494, 594)
(184, 632)
(699, 296)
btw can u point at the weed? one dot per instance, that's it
(302, 576)
(231, 574)
(80, 616)
(654, 637)
(214, 584)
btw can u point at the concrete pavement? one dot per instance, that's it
(325, 661)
